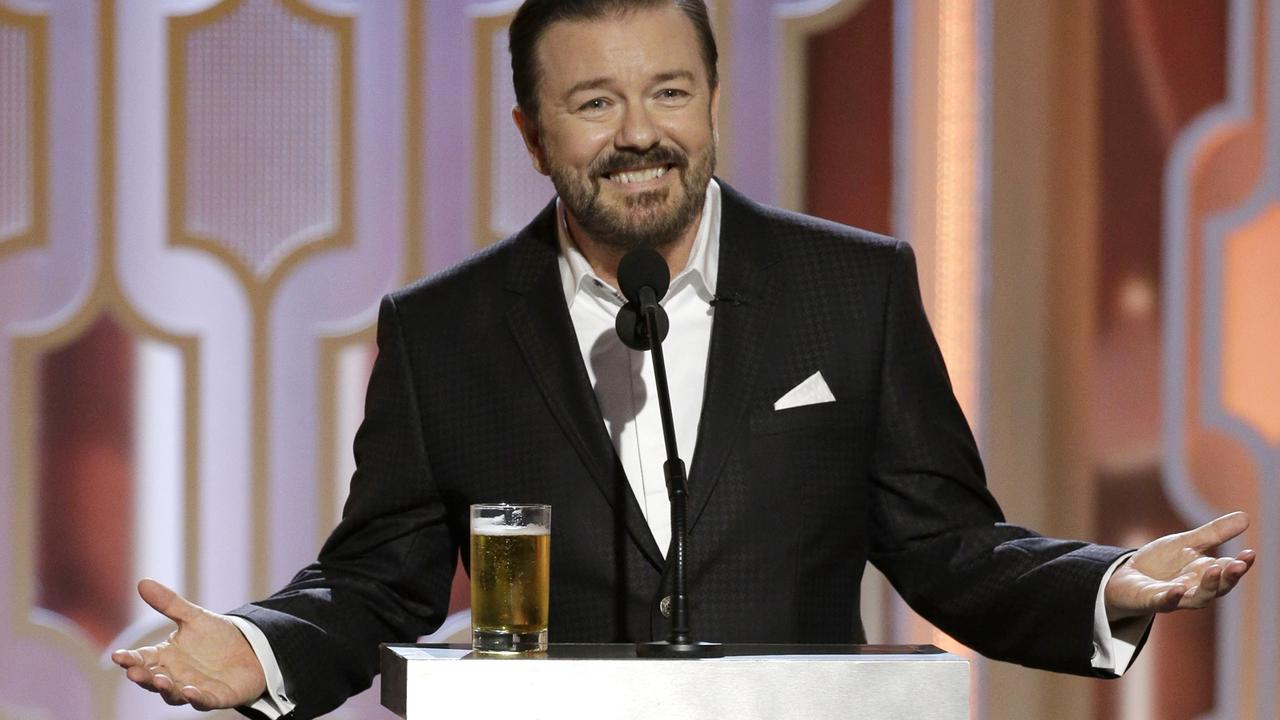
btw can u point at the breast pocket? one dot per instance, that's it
(815, 455)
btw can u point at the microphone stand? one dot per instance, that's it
(680, 643)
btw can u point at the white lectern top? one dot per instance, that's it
(816, 682)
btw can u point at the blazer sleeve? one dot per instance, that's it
(384, 574)
(936, 531)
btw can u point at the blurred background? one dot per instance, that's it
(202, 201)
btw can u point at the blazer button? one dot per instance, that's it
(664, 607)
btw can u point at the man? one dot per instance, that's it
(809, 390)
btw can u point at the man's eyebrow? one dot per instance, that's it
(674, 75)
(588, 85)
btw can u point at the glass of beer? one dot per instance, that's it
(510, 577)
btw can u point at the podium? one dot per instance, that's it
(817, 682)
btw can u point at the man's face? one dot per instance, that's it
(626, 125)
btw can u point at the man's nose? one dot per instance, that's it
(638, 131)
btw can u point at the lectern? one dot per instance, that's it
(816, 682)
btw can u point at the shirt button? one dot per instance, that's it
(664, 607)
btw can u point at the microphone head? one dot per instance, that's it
(632, 330)
(643, 267)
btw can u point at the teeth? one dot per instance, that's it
(640, 175)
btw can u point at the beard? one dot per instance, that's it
(649, 219)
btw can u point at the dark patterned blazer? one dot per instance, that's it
(479, 394)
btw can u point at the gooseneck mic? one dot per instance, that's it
(642, 325)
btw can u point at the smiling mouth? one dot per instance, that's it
(627, 177)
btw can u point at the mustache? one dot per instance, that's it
(624, 160)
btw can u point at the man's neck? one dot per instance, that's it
(604, 259)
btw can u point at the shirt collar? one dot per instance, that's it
(700, 271)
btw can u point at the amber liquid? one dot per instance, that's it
(511, 579)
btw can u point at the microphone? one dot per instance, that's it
(643, 269)
(632, 330)
(733, 298)
(644, 278)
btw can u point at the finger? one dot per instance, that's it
(1208, 588)
(169, 690)
(202, 691)
(1216, 532)
(167, 602)
(146, 656)
(1231, 575)
(198, 699)
(142, 677)
(161, 682)
(1161, 596)
(154, 655)
(1170, 599)
(1228, 572)
(1247, 557)
(127, 658)
(1199, 566)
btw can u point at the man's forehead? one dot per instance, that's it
(582, 50)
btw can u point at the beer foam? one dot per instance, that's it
(495, 526)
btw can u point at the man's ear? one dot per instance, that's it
(528, 128)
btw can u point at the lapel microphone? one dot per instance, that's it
(735, 299)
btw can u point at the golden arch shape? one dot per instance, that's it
(330, 441)
(260, 287)
(35, 28)
(487, 20)
(25, 353)
(798, 25)
(259, 284)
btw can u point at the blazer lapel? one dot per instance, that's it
(738, 336)
(539, 320)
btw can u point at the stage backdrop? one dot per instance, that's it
(202, 201)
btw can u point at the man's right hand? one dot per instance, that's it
(206, 662)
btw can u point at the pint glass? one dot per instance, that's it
(510, 577)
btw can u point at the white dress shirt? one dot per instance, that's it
(626, 393)
(623, 379)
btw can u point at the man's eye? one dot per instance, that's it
(594, 105)
(672, 94)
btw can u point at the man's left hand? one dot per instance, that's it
(1174, 573)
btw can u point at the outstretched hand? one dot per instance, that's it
(1174, 573)
(206, 662)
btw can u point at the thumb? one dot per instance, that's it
(1216, 532)
(167, 602)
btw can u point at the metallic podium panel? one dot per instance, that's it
(817, 682)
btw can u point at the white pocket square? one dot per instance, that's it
(812, 391)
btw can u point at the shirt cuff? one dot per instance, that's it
(1115, 644)
(273, 703)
